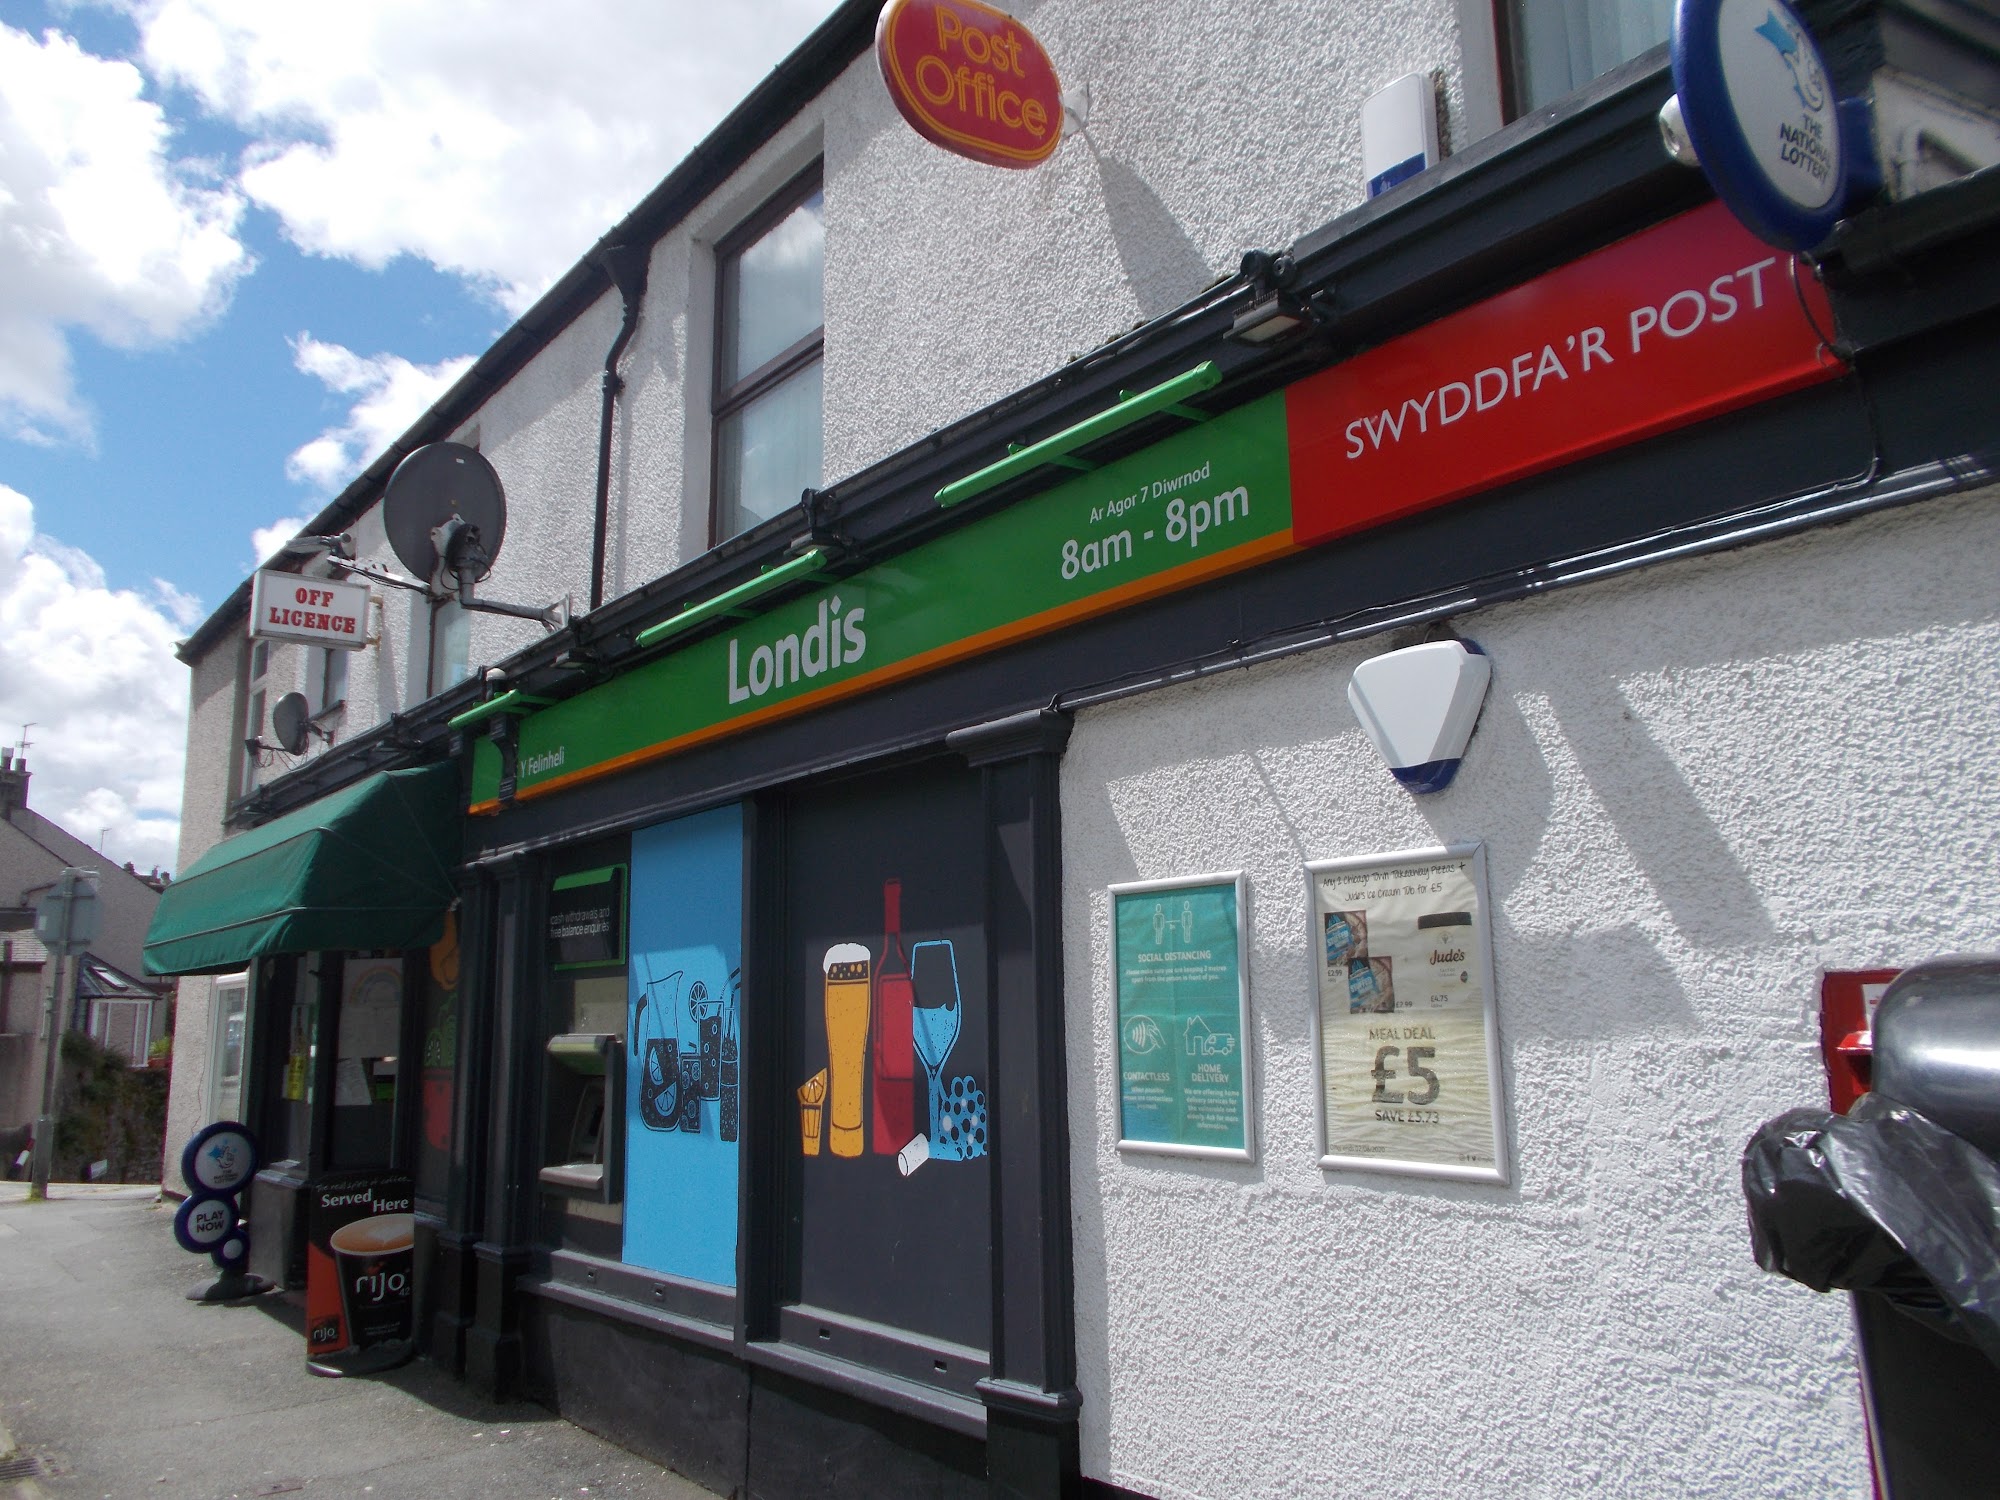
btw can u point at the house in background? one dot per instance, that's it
(102, 993)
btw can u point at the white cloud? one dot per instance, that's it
(389, 394)
(266, 540)
(93, 670)
(99, 230)
(493, 138)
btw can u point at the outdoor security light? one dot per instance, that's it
(1270, 318)
(1275, 309)
(1419, 706)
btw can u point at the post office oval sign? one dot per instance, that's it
(972, 79)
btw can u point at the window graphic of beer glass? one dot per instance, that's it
(935, 1020)
(373, 1259)
(846, 967)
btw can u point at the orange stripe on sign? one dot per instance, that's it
(1201, 570)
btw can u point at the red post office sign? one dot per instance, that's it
(972, 79)
(1683, 321)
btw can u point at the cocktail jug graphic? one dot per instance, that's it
(658, 1046)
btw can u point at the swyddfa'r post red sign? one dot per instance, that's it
(972, 79)
(1683, 321)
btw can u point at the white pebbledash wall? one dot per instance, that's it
(1697, 786)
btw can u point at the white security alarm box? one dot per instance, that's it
(1399, 132)
(1418, 707)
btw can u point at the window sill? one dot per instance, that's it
(669, 1304)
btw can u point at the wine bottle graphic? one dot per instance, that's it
(893, 1059)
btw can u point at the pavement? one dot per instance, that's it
(114, 1385)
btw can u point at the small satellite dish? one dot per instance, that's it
(291, 722)
(437, 484)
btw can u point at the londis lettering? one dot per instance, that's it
(971, 79)
(833, 640)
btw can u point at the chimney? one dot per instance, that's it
(13, 784)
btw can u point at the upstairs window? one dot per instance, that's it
(328, 680)
(1554, 47)
(258, 668)
(451, 646)
(769, 336)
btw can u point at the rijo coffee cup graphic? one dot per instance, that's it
(373, 1257)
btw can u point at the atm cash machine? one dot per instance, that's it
(1898, 1202)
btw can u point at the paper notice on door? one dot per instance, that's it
(350, 1084)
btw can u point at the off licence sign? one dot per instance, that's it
(318, 611)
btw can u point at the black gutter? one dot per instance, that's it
(819, 60)
(626, 266)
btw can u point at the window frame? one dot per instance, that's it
(323, 698)
(1510, 60)
(727, 400)
(256, 660)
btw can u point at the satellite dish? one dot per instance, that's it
(291, 719)
(436, 485)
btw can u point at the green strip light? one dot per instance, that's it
(1056, 448)
(802, 566)
(513, 701)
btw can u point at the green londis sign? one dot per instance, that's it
(1183, 1033)
(1204, 502)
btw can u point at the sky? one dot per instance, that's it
(243, 245)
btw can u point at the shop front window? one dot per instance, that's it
(437, 1064)
(584, 1022)
(367, 1061)
(684, 1035)
(228, 1012)
(886, 1126)
(769, 336)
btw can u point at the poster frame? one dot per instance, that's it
(1247, 1152)
(1500, 1174)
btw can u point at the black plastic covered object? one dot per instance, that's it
(1882, 1200)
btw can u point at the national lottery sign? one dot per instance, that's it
(1409, 1052)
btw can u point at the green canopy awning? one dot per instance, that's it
(369, 866)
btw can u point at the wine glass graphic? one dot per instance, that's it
(936, 1017)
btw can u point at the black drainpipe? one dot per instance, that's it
(626, 266)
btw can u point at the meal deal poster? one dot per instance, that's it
(1408, 1049)
(1183, 1016)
